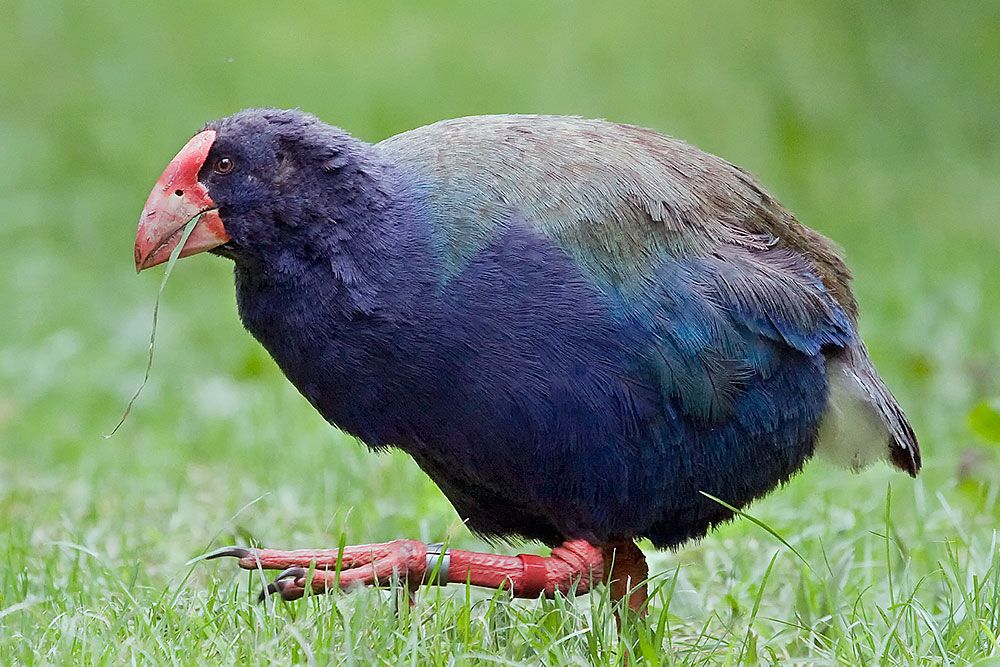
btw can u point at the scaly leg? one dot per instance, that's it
(629, 573)
(571, 568)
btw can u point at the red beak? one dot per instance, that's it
(177, 198)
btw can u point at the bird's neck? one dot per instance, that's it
(360, 265)
(348, 239)
(331, 313)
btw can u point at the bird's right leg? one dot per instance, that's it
(571, 568)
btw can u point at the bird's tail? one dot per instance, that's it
(863, 421)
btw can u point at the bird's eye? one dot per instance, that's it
(224, 165)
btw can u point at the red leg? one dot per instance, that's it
(628, 576)
(569, 569)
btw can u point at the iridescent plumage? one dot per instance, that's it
(577, 328)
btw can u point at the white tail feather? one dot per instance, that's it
(863, 423)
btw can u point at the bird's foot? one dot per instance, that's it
(367, 565)
(572, 568)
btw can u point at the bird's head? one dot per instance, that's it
(254, 179)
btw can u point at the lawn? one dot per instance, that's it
(877, 123)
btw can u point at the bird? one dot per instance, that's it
(586, 333)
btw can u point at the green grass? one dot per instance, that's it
(877, 123)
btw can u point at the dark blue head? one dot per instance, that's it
(271, 186)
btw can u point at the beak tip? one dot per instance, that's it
(176, 199)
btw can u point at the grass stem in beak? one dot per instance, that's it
(188, 228)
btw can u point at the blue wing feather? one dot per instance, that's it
(610, 406)
(665, 324)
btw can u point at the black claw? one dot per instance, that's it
(235, 552)
(268, 591)
(279, 583)
(292, 573)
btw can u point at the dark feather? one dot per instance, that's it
(576, 328)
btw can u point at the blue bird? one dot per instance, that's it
(584, 332)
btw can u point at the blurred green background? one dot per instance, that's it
(877, 123)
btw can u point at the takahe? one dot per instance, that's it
(584, 332)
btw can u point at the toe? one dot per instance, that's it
(288, 589)
(290, 584)
(233, 552)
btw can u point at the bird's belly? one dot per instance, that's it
(603, 455)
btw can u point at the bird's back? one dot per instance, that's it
(619, 197)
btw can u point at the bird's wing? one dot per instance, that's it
(694, 249)
(619, 198)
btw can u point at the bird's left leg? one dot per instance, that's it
(571, 568)
(628, 573)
